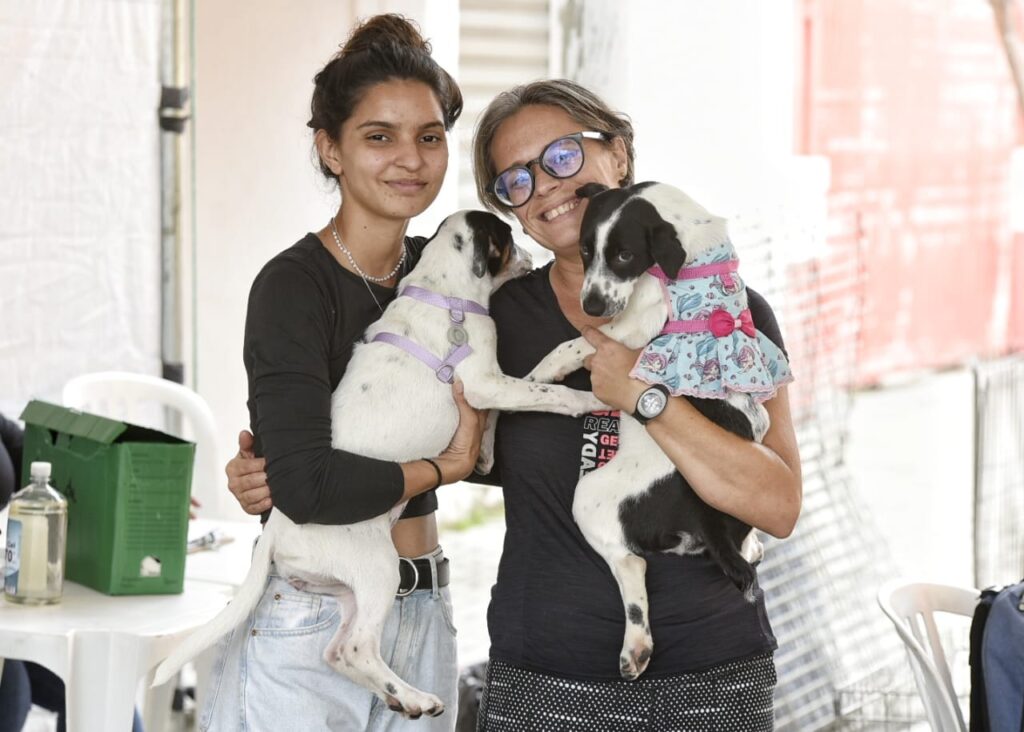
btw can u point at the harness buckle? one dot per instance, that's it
(456, 309)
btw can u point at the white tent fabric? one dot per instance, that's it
(79, 193)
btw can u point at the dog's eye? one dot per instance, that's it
(585, 250)
(624, 256)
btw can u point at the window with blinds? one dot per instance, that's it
(499, 46)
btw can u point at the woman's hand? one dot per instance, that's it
(247, 480)
(459, 459)
(609, 367)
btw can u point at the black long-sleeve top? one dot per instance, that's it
(305, 314)
(555, 607)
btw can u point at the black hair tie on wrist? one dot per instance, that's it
(440, 478)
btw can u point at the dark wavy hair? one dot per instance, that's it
(382, 48)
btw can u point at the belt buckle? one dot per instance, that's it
(415, 578)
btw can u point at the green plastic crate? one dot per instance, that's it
(128, 497)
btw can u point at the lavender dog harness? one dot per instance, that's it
(457, 308)
(709, 346)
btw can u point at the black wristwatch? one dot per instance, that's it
(650, 404)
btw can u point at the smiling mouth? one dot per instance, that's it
(408, 184)
(559, 210)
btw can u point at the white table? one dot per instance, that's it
(102, 646)
(227, 564)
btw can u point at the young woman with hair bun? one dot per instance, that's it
(381, 112)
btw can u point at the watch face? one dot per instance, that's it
(651, 403)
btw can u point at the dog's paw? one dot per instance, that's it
(752, 549)
(634, 662)
(413, 704)
(484, 462)
(592, 404)
(541, 374)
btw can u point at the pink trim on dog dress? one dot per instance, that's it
(709, 346)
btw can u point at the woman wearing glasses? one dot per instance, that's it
(555, 618)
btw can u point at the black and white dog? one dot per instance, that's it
(390, 406)
(638, 502)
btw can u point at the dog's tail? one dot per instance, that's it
(237, 610)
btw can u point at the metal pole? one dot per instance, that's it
(174, 113)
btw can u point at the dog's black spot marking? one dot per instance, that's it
(636, 615)
(364, 388)
(395, 708)
(416, 716)
(644, 655)
(459, 242)
(390, 688)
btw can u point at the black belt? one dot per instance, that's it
(416, 574)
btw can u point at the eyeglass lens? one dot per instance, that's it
(563, 158)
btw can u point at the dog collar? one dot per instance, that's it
(456, 306)
(723, 269)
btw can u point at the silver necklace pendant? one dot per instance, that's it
(352, 260)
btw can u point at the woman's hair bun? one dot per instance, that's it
(382, 29)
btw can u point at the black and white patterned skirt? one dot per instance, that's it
(732, 697)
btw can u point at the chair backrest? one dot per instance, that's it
(137, 398)
(911, 606)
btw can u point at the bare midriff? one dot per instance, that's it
(414, 537)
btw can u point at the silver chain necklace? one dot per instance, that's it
(357, 268)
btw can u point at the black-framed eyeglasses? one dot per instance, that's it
(562, 158)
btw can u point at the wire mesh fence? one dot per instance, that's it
(820, 583)
(999, 471)
(840, 664)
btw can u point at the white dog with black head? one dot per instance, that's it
(395, 403)
(633, 240)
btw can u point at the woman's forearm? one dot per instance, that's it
(759, 484)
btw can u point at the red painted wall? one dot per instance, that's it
(913, 104)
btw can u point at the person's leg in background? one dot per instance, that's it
(47, 691)
(15, 696)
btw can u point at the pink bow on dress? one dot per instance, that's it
(721, 323)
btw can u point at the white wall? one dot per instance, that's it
(79, 193)
(257, 188)
(709, 86)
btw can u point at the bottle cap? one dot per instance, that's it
(40, 470)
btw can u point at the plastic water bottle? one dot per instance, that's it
(37, 525)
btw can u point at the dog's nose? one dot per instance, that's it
(593, 304)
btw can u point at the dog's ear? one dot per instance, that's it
(590, 190)
(492, 240)
(666, 248)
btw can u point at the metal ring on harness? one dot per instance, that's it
(415, 578)
(446, 373)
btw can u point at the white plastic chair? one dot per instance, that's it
(911, 606)
(135, 398)
(140, 399)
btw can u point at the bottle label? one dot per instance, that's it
(13, 556)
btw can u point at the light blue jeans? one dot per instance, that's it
(270, 673)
